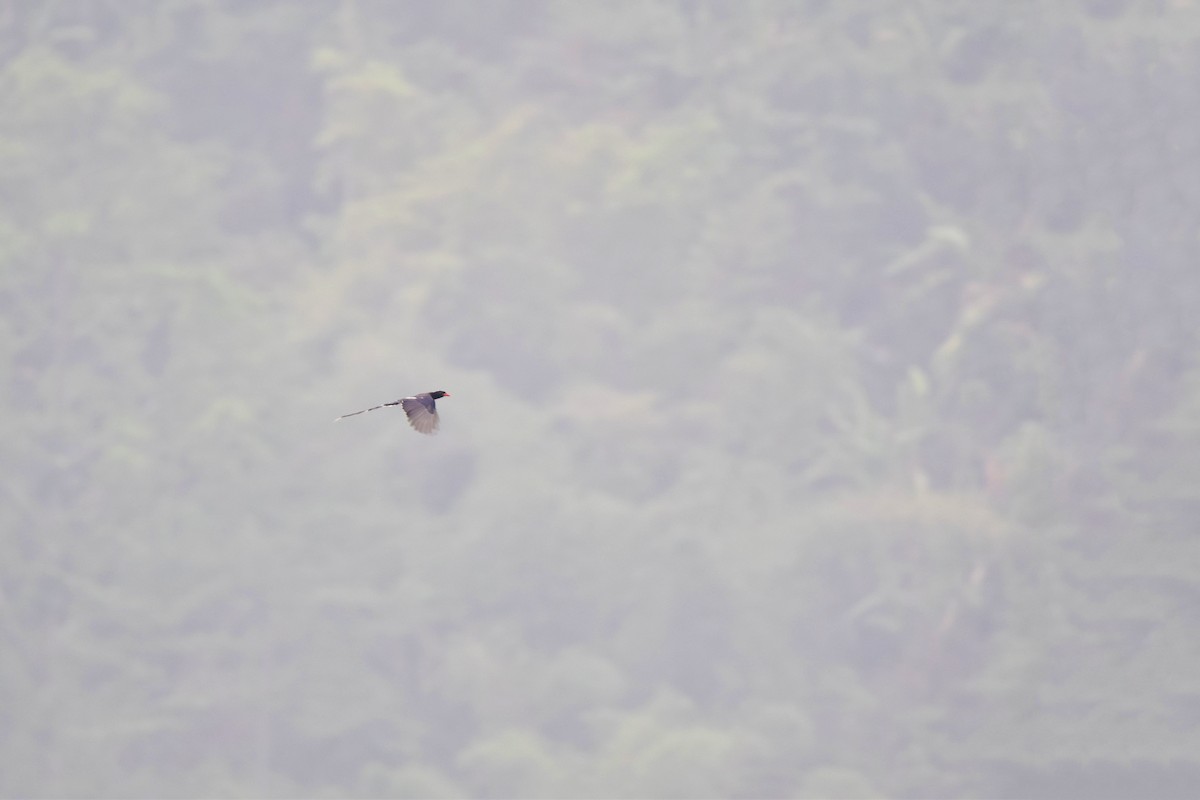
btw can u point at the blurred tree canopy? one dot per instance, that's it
(825, 412)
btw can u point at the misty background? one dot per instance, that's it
(825, 414)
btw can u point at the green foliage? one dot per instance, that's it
(824, 421)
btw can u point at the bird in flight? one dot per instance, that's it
(420, 408)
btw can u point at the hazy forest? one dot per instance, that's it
(825, 414)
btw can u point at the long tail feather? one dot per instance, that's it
(365, 410)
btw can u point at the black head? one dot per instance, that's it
(439, 394)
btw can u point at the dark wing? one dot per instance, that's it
(422, 413)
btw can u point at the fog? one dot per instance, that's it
(824, 413)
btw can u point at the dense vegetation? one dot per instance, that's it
(825, 415)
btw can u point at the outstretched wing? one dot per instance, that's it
(422, 413)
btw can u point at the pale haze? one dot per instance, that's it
(824, 414)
